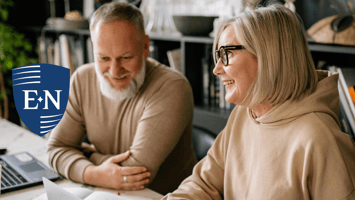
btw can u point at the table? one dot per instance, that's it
(17, 139)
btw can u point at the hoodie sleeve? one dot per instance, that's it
(207, 180)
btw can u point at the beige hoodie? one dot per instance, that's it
(295, 151)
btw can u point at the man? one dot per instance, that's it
(136, 112)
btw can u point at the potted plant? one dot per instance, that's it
(14, 52)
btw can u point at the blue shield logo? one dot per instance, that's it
(41, 95)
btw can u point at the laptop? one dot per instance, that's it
(22, 170)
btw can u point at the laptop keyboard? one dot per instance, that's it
(9, 177)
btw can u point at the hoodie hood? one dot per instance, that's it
(324, 100)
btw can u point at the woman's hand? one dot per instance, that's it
(111, 175)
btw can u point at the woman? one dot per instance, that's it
(282, 141)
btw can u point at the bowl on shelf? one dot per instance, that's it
(194, 25)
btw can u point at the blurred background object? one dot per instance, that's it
(73, 15)
(352, 93)
(99, 3)
(290, 5)
(194, 25)
(338, 28)
(158, 16)
(72, 20)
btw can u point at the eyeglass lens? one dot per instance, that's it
(223, 55)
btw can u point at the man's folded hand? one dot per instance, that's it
(111, 175)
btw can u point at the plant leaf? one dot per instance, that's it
(4, 14)
(9, 65)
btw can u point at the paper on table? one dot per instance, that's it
(55, 192)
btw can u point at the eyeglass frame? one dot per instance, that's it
(226, 48)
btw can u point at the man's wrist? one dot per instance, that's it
(87, 174)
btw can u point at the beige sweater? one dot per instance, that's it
(155, 125)
(295, 151)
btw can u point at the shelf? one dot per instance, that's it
(153, 36)
(179, 37)
(331, 48)
(165, 37)
(194, 39)
(75, 32)
(36, 29)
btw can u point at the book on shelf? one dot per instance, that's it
(349, 74)
(345, 125)
(212, 79)
(90, 50)
(174, 57)
(78, 53)
(50, 51)
(346, 105)
(217, 91)
(352, 92)
(66, 58)
(57, 60)
(88, 8)
(345, 89)
(41, 49)
(205, 82)
(66, 51)
(213, 90)
(222, 92)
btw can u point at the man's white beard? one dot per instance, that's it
(119, 95)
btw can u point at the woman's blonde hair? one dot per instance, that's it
(276, 37)
(113, 11)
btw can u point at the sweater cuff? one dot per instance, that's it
(98, 158)
(76, 171)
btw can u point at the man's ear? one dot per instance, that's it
(146, 46)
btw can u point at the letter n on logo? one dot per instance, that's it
(41, 95)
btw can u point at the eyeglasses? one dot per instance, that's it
(222, 53)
